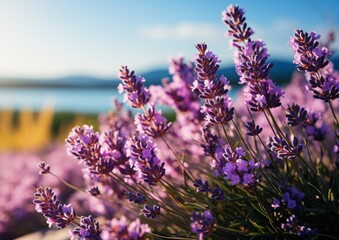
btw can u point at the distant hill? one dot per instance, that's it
(281, 73)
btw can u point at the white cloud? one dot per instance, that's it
(186, 31)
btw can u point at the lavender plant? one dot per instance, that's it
(266, 171)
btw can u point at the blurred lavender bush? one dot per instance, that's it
(18, 179)
(263, 167)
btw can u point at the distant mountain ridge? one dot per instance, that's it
(280, 73)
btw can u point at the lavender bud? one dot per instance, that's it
(46, 202)
(150, 212)
(89, 229)
(202, 223)
(137, 95)
(295, 115)
(45, 168)
(94, 190)
(200, 185)
(252, 129)
(217, 193)
(136, 197)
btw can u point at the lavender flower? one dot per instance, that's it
(200, 185)
(314, 127)
(283, 149)
(291, 198)
(312, 59)
(234, 18)
(136, 93)
(177, 93)
(123, 230)
(218, 194)
(94, 190)
(252, 129)
(308, 55)
(251, 64)
(46, 202)
(83, 144)
(237, 169)
(291, 225)
(202, 223)
(263, 95)
(142, 153)
(136, 197)
(217, 106)
(115, 143)
(45, 168)
(295, 115)
(211, 142)
(150, 212)
(89, 229)
(152, 123)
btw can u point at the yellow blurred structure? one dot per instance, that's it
(30, 131)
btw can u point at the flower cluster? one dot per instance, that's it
(311, 58)
(136, 93)
(143, 158)
(122, 229)
(268, 170)
(217, 106)
(202, 223)
(89, 229)
(282, 148)
(261, 93)
(46, 202)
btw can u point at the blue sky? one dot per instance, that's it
(54, 38)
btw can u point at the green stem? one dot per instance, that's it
(227, 138)
(182, 165)
(242, 139)
(334, 115)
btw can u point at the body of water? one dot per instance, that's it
(86, 100)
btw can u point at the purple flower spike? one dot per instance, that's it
(283, 150)
(89, 229)
(263, 95)
(46, 202)
(136, 197)
(152, 123)
(200, 185)
(252, 129)
(45, 168)
(238, 170)
(142, 153)
(309, 55)
(150, 212)
(217, 193)
(311, 58)
(136, 93)
(123, 230)
(214, 92)
(295, 115)
(202, 223)
(292, 225)
(238, 29)
(94, 190)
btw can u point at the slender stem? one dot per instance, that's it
(165, 237)
(227, 138)
(269, 122)
(173, 198)
(182, 165)
(242, 139)
(305, 142)
(333, 112)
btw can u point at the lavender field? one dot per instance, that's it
(199, 152)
